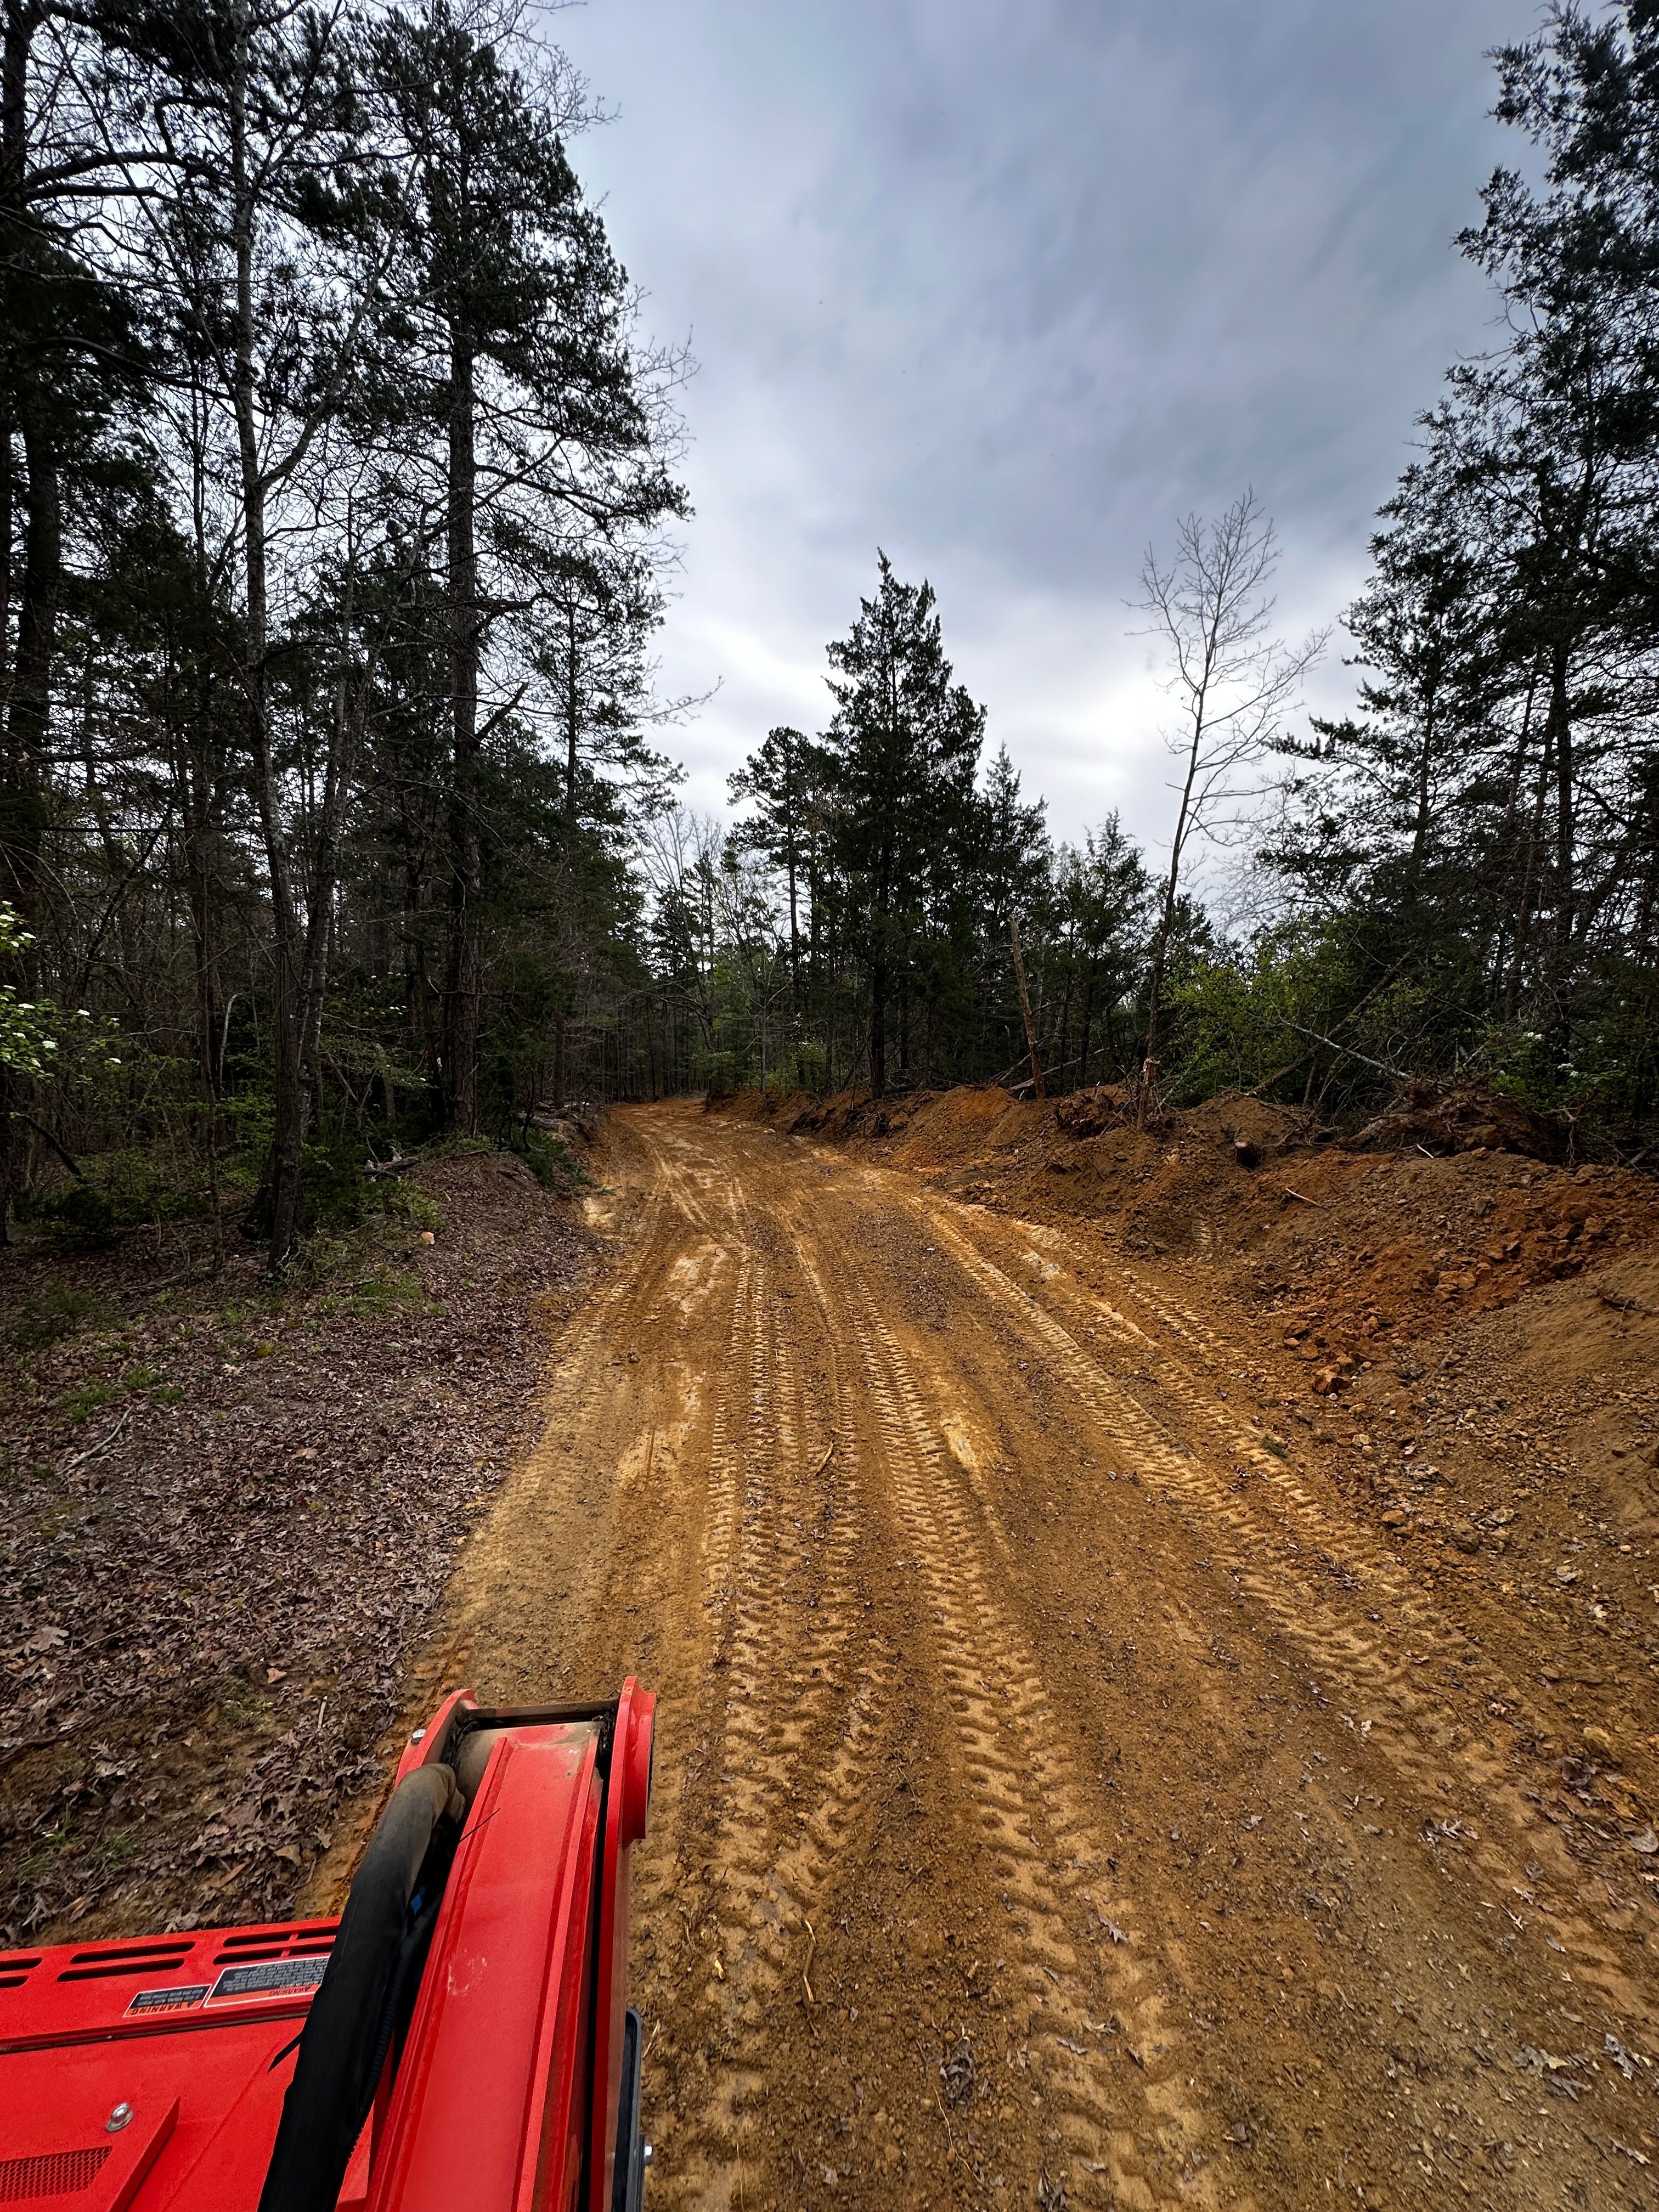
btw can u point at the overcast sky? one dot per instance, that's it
(1004, 286)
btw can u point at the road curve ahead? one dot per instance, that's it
(1061, 1799)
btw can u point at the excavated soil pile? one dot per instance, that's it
(1471, 1119)
(1375, 1241)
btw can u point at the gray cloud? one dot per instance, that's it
(1005, 285)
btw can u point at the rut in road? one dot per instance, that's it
(1054, 1803)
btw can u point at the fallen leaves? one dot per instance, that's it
(202, 1626)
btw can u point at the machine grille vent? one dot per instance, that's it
(126, 1959)
(57, 2174)
(311, 1942)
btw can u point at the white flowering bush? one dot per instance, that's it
(34, 1032)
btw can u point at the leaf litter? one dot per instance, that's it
(204, 1621)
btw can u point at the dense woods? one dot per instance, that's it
(338, 488)
(333, 481)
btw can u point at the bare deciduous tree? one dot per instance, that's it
(1233, 682)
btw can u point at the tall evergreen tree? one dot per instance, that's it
(782, 781)
(903, 745)
(515, 353)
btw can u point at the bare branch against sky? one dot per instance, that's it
(1210, 611)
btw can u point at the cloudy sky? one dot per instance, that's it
(1003, 287)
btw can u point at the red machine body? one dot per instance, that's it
(152, 2073)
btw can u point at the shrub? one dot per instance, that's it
(55, 1312)
(82, 1211)
(406, 1202)
(555, 1166)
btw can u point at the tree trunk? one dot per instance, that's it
(1523, 907)
(1026, 1004)
(326, 869)
(465, 938)
(1566, 809)
(1166, 920)
(196, 787)
(1155, 996)
(794, 925)
(7, 531)
(879, 982)
(22, 803)
(572, 733)
(27, 681)
(1066, 1005)
(1425, 772)
(283, 1171)
(29, 723)
(1500, 961)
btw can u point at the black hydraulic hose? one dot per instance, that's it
(363, 2005)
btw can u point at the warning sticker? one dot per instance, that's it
(272, 1977)
(177, 1999)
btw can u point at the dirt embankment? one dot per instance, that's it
(226, 1515)
(1369, 1245)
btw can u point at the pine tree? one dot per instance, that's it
(783, 782)
(903, 746)
(514, 358)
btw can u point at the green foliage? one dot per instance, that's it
(384, 1292)
(459, 1147)
(88, 1398)
(162, 1182)
(399, 1199)
(57, 1312)
(337, 1192)
(806, 1067)
(1605, 1074)
(242, 1708)
(556, 1167)
(1488, 816)
(49, 1846)
(720, 1072)
(903, 746)
(249, 1117)
(35, 1032)
(81, 1210)
(859, 921)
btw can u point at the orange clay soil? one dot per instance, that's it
(1158, 1657)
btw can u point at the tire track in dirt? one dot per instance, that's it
(1281, 1586)
(1023, 1777)
(797, 1724)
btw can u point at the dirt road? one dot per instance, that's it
(1061, 1799)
